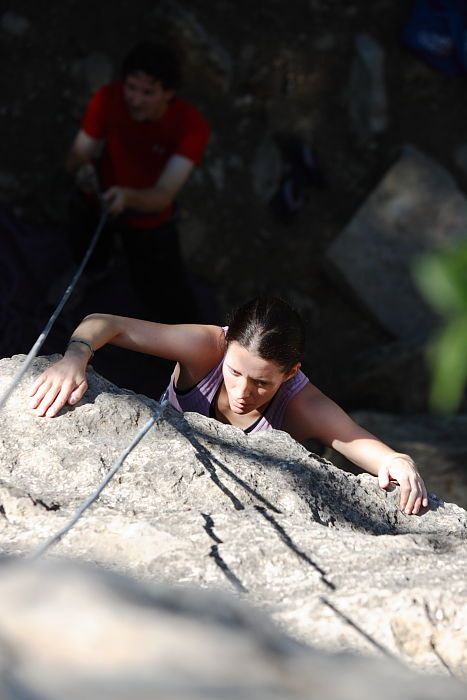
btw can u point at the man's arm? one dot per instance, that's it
(152, 199)
(83, 151)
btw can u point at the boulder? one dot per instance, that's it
(367, 91)
(328, 554)
(416, 208)
(192, 234)
(92, 71)
(9, 184)
(88, 74)
(266, 169)
(84, 633)
(370, 378)
(14, 24)
(460, 157)
(199, 47)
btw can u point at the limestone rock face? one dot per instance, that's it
(85, 634)
(326, 553)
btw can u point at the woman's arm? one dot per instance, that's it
(195, 347)
(314, 415)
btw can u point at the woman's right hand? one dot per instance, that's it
(62, 383)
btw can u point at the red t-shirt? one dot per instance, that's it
(135, 153)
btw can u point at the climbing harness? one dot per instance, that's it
(48, 327)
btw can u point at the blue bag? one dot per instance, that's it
(437, 31)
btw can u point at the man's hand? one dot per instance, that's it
(84, 151)
(86, 179)
(151, 199)
(401, 468)
(116, 199)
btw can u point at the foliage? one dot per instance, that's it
(442, 279)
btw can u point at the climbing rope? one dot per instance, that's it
(108, 477)
(48, 327)
(24, 368)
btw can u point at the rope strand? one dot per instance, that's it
(39, 551)
(48, 327)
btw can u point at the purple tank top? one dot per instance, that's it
(199, 398)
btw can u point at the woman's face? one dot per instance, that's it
(250, 381)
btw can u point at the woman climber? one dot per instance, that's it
(246, 375)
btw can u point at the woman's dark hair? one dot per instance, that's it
(270, 328)
(156, 60)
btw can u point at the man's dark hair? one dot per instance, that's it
(270, 328)
(156, 60)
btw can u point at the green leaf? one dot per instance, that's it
(448, 356)
(442, 279)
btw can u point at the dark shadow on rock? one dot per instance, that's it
(285, 537)
(266, 510)
(348, 621)
(333, 498)
(369, 524)
(217, 557)
(210, 462)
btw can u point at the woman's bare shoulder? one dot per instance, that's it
(302, 415)
(205, 348)
(202, 338)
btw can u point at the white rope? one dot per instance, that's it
(24, 368)
(108, 477)
(40, 340)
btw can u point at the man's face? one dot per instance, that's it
(145, 97)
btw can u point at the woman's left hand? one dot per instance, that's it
(401, 468)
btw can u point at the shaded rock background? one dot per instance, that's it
(256, 71)
(437, 444)
(327, 554)
(416, 208)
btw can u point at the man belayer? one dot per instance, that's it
(137, 145)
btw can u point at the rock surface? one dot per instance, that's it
(199, 46)
(460, 157)
(327, 554)
(84, 634)
(367, 90)
(393, 377)
(14, 24)
(417, 207)
(94, 71)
